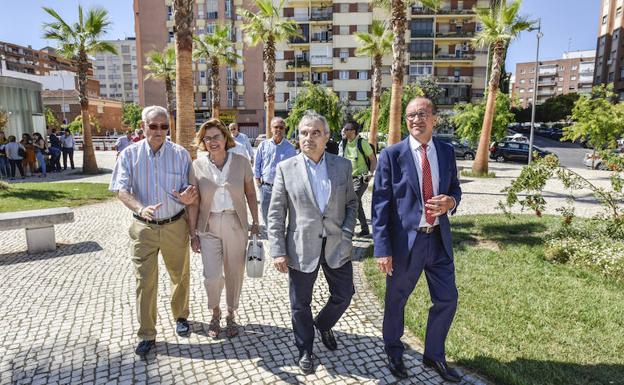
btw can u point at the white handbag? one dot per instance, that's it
(255, 258)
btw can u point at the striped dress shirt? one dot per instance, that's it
(152, 177)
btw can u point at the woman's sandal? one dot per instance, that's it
(215, 327)
(231, 328)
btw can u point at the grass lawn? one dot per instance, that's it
(31, 196)
(522, 320)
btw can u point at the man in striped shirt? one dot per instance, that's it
(151, 179)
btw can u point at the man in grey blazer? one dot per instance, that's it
(311, 219)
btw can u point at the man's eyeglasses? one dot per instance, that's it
(153, 126)
(421, 115)
(216, 138)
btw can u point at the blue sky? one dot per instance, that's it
(565, 23)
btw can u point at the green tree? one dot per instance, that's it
(161, 66)
(409, 92)
(430, 88)
(469, 118)
(217, 49)
(321, 99)
(557, 108)
(132, 115)
(4, 118)
(76, 125)
(597, 118)
(501, 24)
(76, 42)
(50, 118)
(375, 45)
(267, 26)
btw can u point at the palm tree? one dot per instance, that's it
(267, 26)
(217, 49)
(376, 45)
(501, 24)
(76, 42)
(398, 20)
(161, 66)
(185, 102)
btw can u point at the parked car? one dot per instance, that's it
(513, 151)
(259, 139)
(461, 150)
(594, 160)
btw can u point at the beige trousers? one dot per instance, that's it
(223, 250)
(172, 240)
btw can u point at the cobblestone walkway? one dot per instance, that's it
(68, 317)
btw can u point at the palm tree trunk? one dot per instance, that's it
(480, 164)
(269, 70)
(170, 109)
(89, 162)
(185, 106)
(372, 135)
(216, 96)
(398, 21)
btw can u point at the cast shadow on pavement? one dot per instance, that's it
(62, 250)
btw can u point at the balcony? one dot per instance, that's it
(462, 57)
(452, 100)
(298, 83)
(455, 34)
(421, 34)
(547, 82)
(547, 71)
(416, 10)
(322, 37)
(298, 40)
(321, 60)
(546, 92)
(322, 14)
(327, 83)
(299, 63)
(421, 56)
(300, 18)
(454, 79)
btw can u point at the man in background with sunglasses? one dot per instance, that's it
(151, 179)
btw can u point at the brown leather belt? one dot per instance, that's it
(160, 221)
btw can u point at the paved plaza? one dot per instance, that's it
(69, 318)
(69, 315)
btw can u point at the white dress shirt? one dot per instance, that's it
(319, 179)
(432, 156)
(222, 200)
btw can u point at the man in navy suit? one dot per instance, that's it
(415, 187)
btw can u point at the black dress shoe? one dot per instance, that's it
(144, 347)
(327, 336)
(397, 367)
(306, 363)
(447, 373)
(182, 327)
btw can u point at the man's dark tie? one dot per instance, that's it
(427, 184)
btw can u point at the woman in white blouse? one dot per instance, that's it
(218, 221)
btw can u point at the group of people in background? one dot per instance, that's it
(309, 202)
(35, 154)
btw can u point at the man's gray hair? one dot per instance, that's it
(153, 111)
(311, 116)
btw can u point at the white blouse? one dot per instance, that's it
(222, 199)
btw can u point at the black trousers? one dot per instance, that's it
(18, 164)
(360, 186)
(301, 287)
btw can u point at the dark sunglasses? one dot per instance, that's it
(158, 126)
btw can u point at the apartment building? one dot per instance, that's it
(441, 45)
(117, 74)
(610, 47)
(573, 73)
(242, 93)
(33, 61)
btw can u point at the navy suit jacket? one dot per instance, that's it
(397, 204)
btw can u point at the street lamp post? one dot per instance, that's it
(539, 36)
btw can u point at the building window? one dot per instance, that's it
(344, 96)
(573, 68)
(572, 78)
(344, 7)
(561, 79)
(532, 81)
(604, 19)
(521, 90)
(363, 75)
(344, 30)
(560, 89)
(522, 81)
(360, 95)
(210, 28)
(611, 77)
(279, 55)
(421, 69)
(362, 7)
(530, 89)
(344, 53)
(343, 75)
(421, 28)
(522, 72)
(362, 28)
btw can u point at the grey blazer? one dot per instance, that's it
(296, 223)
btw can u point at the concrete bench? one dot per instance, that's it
(39, 225)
